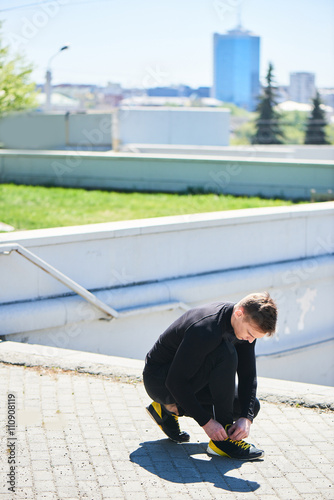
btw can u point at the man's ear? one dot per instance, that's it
(239, 312)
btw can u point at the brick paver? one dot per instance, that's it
(82, 436)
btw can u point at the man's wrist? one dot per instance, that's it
(206, 422)
(248, 418)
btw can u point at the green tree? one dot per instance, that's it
(315, 131)
(330, 133)
(268, 130)
(17, 92)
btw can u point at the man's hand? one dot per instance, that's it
(240, 429)
(215, 430)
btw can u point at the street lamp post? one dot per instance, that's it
(48, 78)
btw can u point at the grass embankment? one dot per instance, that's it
(35, 207)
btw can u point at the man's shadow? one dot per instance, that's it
(189, 463)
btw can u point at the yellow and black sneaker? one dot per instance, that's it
(168, 422)
(234, 449)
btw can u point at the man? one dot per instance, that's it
(191, 371)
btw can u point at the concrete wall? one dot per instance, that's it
(40, 131)
(147, 270)
(311, 364)
(169, 173)
(70, 323)
(314, 152)
(33, 131)
(257, 151)
(111, 253)
(197, 126)
(194, 131)
(90, 130)
(94, 130)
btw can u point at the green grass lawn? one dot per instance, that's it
(35, 207)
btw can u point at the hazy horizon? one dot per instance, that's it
(150, 44)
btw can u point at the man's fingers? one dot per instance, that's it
(237, 436)
(220, 436)
(232, 429)
(234, 434)
(215, 430)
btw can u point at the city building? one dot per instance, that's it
(282, 93)
(236, 67)
(302, 87)
(163, 92)
(203, 92)
(110, 96)
(178, 91)
(327, 97)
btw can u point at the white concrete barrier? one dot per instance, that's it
(56, 131)
(282, 178)
(296, 152)
(168, 125)
(166, 298)
(122, 253)
(197, 126)
(303, 342)
(311, 364)
(147, 270)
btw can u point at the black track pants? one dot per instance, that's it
(213, 385)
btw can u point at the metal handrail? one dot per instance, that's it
(6, 249)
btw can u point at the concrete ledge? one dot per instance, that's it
(295, 393)
(267, 177)
(271, 390)
(119, 229)
(17, 353)
(190, 158)
(291, 151)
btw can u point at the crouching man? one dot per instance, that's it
(191, 370)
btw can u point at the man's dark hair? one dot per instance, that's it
(260, 309)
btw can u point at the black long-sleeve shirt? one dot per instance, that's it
(186, 343)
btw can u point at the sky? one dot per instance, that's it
(150, 43)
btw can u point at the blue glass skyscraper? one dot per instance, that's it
(236, 68)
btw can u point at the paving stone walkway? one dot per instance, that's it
(82, 436)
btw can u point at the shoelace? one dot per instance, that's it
(240, 443)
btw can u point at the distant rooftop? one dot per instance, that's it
(58, 99)
(301, 106)
(238, 31)
(241, 31)
(165, 101)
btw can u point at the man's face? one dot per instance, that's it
(244, 329)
